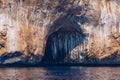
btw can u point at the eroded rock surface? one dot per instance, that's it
(59, 30)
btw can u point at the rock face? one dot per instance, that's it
(85, 31)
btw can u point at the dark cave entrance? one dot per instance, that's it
(60, 43)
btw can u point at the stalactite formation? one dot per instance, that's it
(59, 31)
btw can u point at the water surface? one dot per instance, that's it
(60, 73)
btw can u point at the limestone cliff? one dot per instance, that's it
(59, 30)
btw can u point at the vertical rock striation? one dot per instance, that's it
(99, 22)
(59, 30)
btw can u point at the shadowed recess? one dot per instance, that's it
(61, 42)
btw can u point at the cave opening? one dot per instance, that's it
(60, 44)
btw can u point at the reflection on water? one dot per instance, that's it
(60, 73)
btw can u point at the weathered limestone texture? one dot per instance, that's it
(79, 30)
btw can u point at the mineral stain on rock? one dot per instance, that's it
(79, 31)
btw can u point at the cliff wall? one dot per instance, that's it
(75, 30)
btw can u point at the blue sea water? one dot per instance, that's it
(60, 73)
